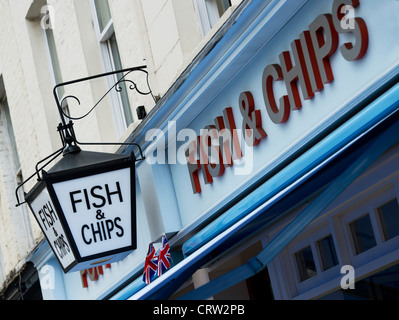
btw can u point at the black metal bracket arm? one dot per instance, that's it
(117, 86)
(70, 144)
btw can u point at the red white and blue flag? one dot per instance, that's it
(164, 257)
(151, 265)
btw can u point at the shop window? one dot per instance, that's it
(306, 264)
(209, 12)
(389, 218)
(327, 252)
(362, 234)
(257, 287)
(112, 61)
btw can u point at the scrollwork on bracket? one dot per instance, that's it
(117, 86)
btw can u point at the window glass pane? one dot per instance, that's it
(118, 66)
(305, 263)
(389, 217)
(103, 13)
(223, 5)
(54, 60)
(362, 234)
(327, 252)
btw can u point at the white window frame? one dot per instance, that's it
(108, 65)
(208, 14)
(310, 239)
(23, 215)
(347, 219)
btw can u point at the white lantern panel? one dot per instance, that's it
(44, 211)
(98, 210)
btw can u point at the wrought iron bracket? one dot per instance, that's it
(70, 143)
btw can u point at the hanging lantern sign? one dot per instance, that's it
(85, 206)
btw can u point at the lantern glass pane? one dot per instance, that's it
(49, 221)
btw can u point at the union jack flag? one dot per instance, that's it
(151, 264)
(164, 258)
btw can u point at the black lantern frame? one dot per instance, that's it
(45, 203)
(64, 172)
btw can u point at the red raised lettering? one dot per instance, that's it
(193, 166)
(325, 43)
(252, 120)
(277, 114)
(294, 73)
(311, 61)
